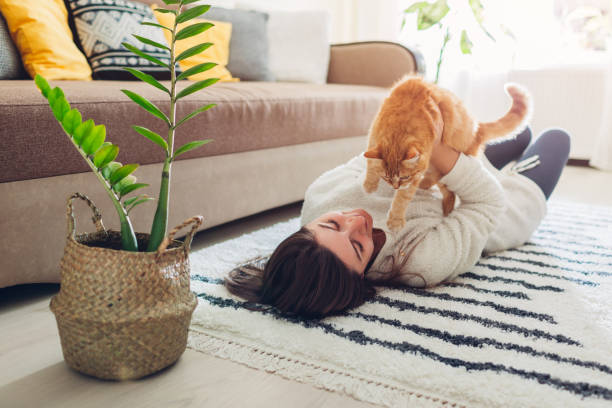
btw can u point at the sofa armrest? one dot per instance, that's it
(375, 63)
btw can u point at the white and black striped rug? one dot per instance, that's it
(530, 326)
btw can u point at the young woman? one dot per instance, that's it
(343, 248)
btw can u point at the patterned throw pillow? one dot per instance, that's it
(101, 27)
(10, 60)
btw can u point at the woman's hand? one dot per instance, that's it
(443, 158)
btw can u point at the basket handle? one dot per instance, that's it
(97, 216)
(196, 221)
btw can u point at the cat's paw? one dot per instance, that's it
(370, 187)
(395, 224)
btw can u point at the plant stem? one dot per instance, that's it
(160, 220)
(128, 238)
(445, 41)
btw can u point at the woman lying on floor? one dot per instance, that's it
(333, 262)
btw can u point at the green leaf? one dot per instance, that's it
(144, 200)
(110, 168)
(125, 190)
(196, 70)
(432, 14)
(190, 146)
(416, 7)
(105, 155)
(82, 131)
(147, 78)
(130, 200)
(166, 11)
(155, 44)
(186, 2)
(196, 87)
(192, 30)
(146, 105)
(42, 84)
(196, 49)
(133, 199)
(123, 183)
(194, 113)
(466, 44)
(154, 137)
(192, 13)
(122, 173)
(71, 121)
(60, 108)
(94, 140)
(145, 55)
(54, 94)
(477, 10)
(147, 23)
(169, 2)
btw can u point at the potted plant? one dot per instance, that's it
(437, 14)
(124, 307)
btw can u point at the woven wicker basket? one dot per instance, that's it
(122, 315)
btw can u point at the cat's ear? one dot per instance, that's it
(373, 153)
(412, 155)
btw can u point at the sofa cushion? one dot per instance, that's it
(299, 45)
(219, 35)
(248, 116)
(102, 27)
(10, 60)
(299, 42)
(41, 33)
(249, 52)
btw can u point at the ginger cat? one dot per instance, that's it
(414, 116)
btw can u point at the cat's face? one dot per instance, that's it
(399, 172)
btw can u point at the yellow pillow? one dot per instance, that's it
(42, 35)
(219, 35)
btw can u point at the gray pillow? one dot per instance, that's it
(10, 60)
(248, 59)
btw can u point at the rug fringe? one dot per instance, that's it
(330, 379)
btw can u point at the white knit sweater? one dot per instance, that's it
(496, 210)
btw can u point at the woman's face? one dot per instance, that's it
(347, 234)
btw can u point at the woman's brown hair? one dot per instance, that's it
(301, 277)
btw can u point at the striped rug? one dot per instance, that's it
(528, 327)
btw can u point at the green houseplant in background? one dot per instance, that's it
(124, 314)
(437, 14)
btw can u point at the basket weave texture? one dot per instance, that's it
(122, 315)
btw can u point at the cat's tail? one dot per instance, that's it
(513, 122)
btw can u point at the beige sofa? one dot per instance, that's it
(270, 141)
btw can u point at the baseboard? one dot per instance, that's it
(578, 162)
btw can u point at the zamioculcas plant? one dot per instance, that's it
(89, 140)
(158, 229)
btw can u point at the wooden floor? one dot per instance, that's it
(33, 373)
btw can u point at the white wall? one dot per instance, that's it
(351, 20)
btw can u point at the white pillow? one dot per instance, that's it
(299, 44)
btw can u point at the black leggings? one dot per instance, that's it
(552, 147)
